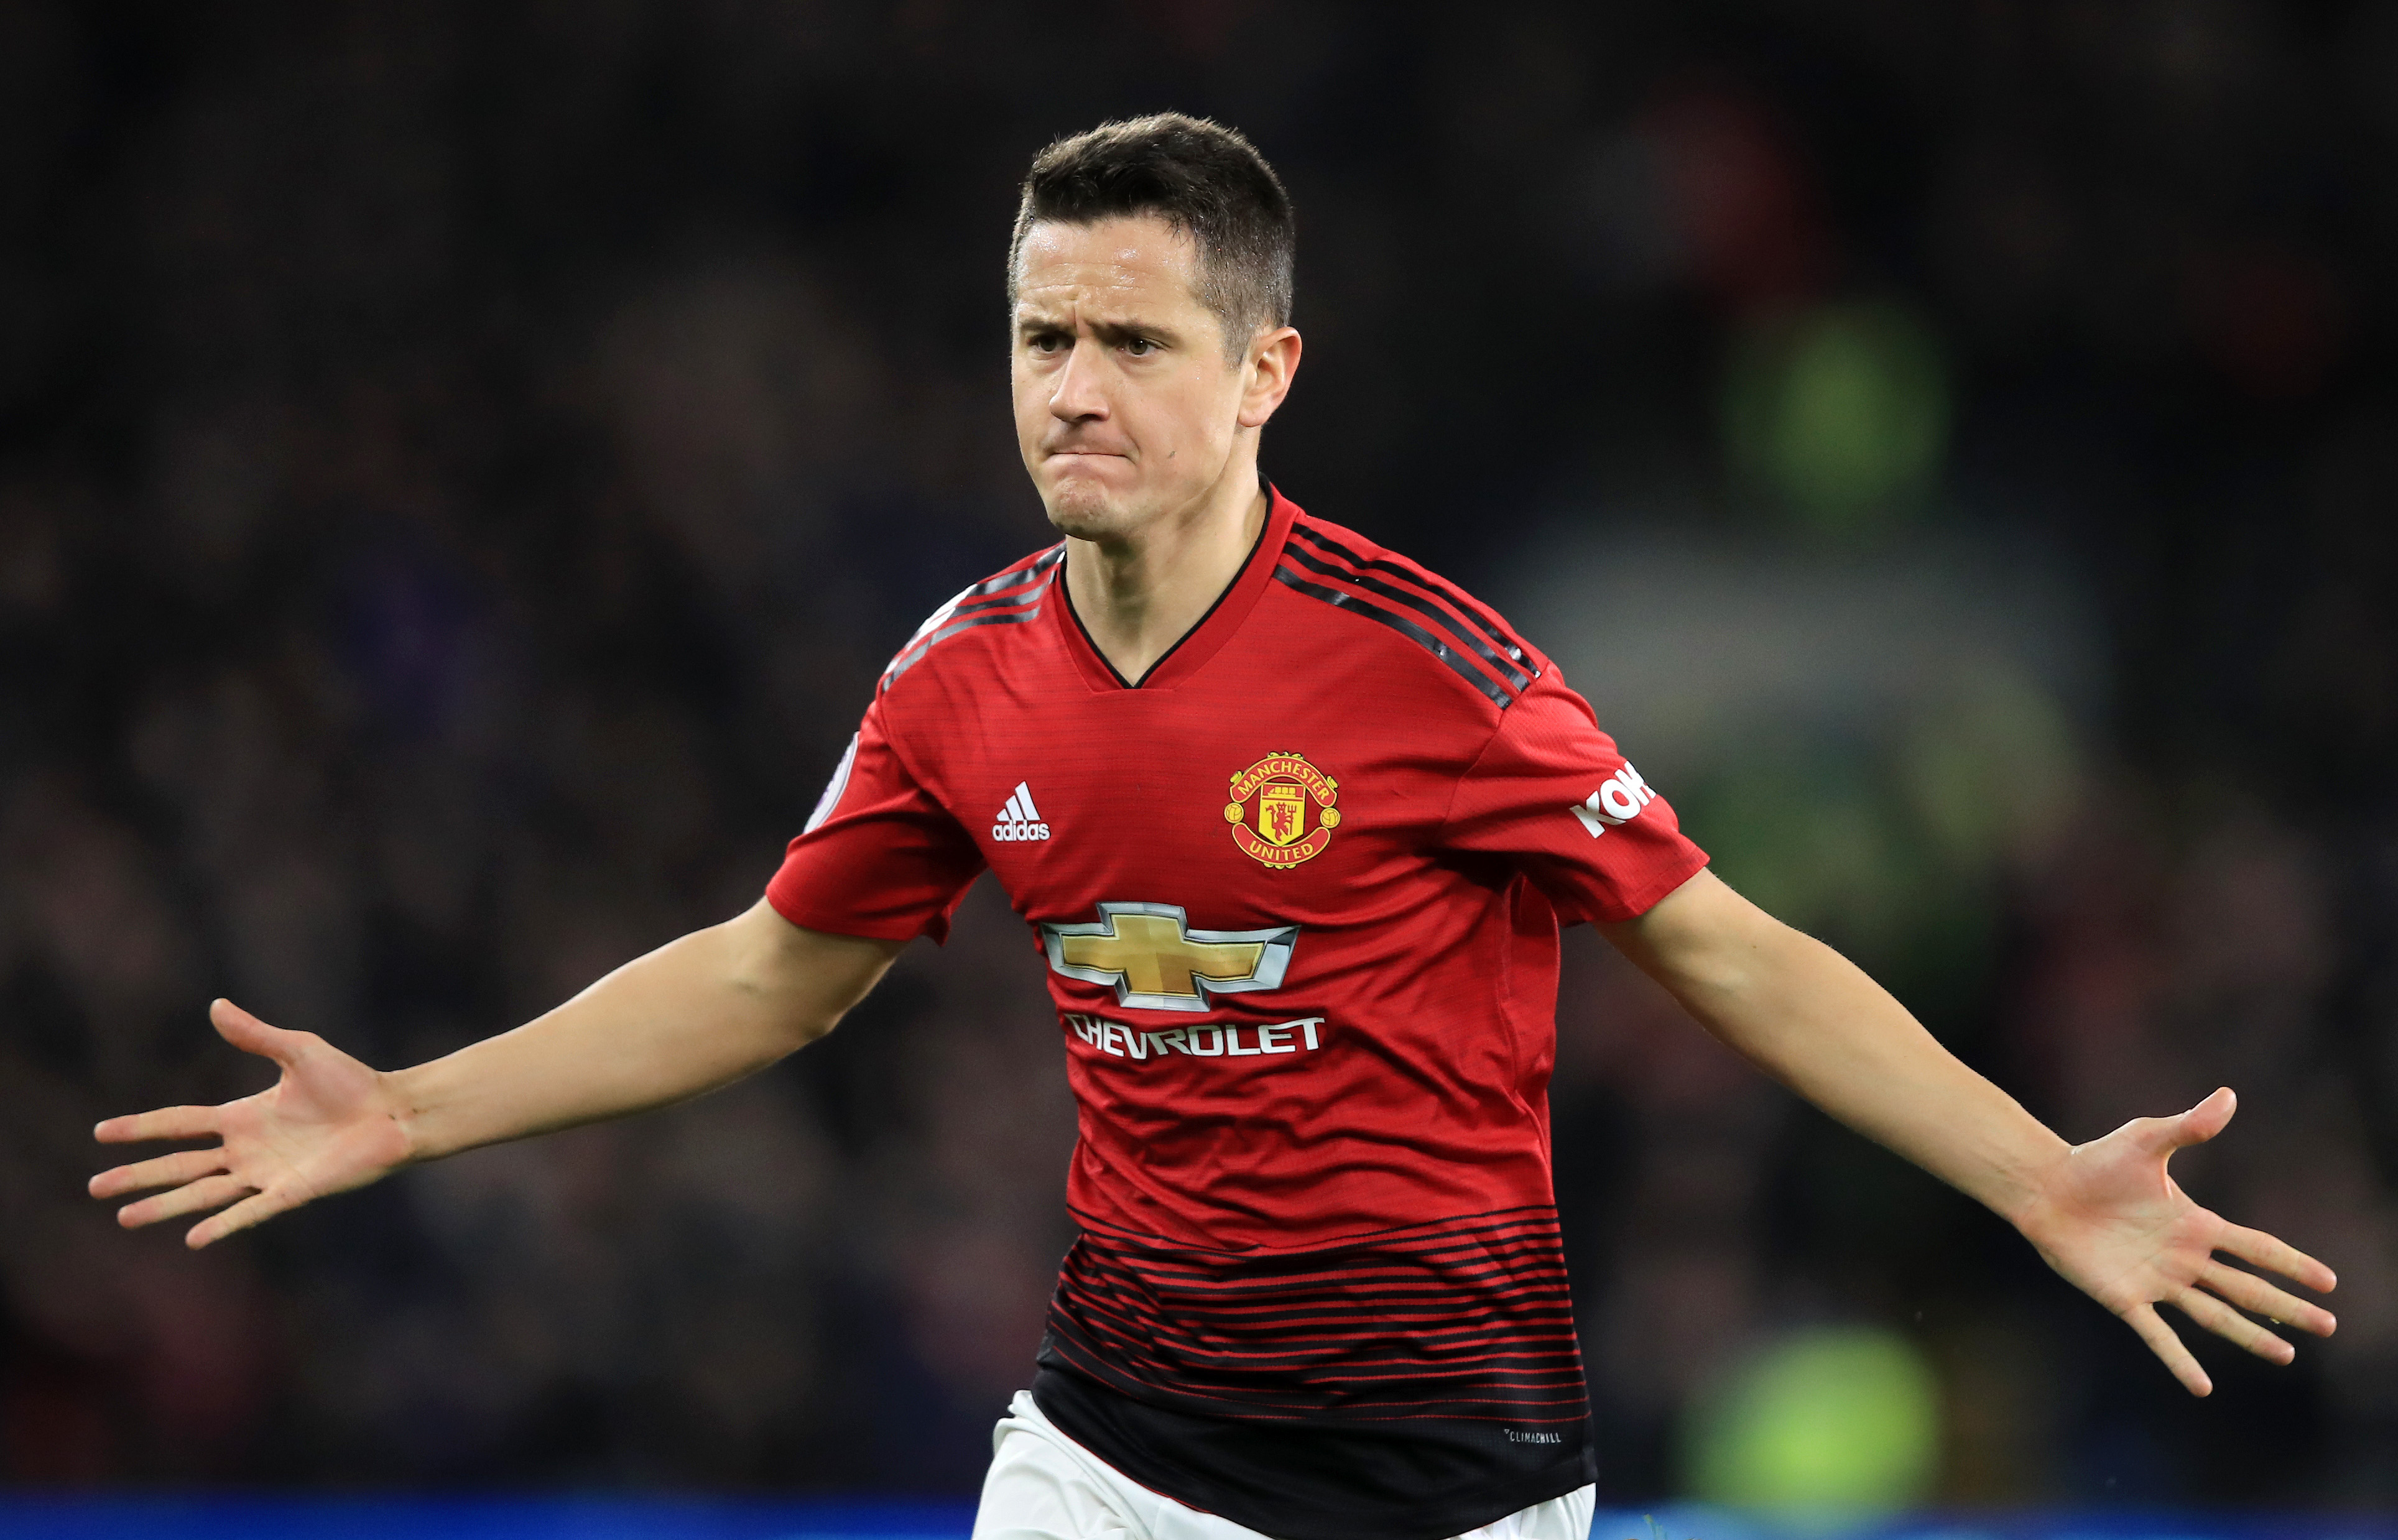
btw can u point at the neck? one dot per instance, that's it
(1140, 594)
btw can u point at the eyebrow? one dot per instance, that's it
(1106, 332)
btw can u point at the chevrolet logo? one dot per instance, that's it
(1154, 961)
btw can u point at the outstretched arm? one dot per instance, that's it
(2104, 1215)
(699, 1012)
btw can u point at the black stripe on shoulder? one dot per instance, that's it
(917, 654)
(1489, 625)
(1023, 571)
(997, 601)
(1404, 626)
(994, 601)
(1422, 606)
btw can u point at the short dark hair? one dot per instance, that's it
(1200, 176)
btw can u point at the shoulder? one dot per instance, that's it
(1010, 597)
(1422, 616)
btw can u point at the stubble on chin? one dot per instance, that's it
(1082, 511)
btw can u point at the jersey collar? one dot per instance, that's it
(1200, 643)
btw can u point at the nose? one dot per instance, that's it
(1078, 396)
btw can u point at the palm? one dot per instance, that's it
(2114, 1223)
(324, 1127)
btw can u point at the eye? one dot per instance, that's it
(1140, 347)
(1046, 341)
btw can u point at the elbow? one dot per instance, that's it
(792, 1018)
(792, 984)
(811, 1026)
(1756, 959)
(776, 1009)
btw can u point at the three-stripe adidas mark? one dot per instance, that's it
(1019, 819)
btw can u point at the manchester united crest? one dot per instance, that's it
(1281, 810)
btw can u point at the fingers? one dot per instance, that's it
(252, 1210)
(2160, 1337)
(210, 1192)
(2257, 1297)
(2231, 1325)
(237, 1026)
(2200, 1123)
(2272, 1252)
(164, 1123)
(167, 1171)
(252, 1035)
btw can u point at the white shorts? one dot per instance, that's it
(1045, 1486)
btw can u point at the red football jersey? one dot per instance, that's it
(1297, 895)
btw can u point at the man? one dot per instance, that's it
(1294, 822)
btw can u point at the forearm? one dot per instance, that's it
(699, 1012)
(1817, 1022)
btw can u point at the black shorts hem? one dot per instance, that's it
(1411, 1478)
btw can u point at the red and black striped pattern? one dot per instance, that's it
(1464, 1319)
(1430, 611)
(1010, 598)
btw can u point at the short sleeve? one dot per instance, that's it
(1551, 793)
(879, 857)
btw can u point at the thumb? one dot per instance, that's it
(251, 1034)
(2200, 1123)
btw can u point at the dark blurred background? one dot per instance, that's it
(463, 466)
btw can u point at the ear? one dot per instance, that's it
(1273, 361)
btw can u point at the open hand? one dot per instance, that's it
(2110, 1219)
(328, 1125)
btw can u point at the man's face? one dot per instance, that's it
(1125, 405)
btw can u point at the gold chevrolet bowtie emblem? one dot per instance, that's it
(1155, 958)
(1152, 959)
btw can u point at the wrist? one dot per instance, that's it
(403, 1101)
(2028, 1200)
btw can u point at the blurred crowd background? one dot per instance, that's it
(462, 468)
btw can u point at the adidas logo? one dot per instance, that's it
(1019, 819)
